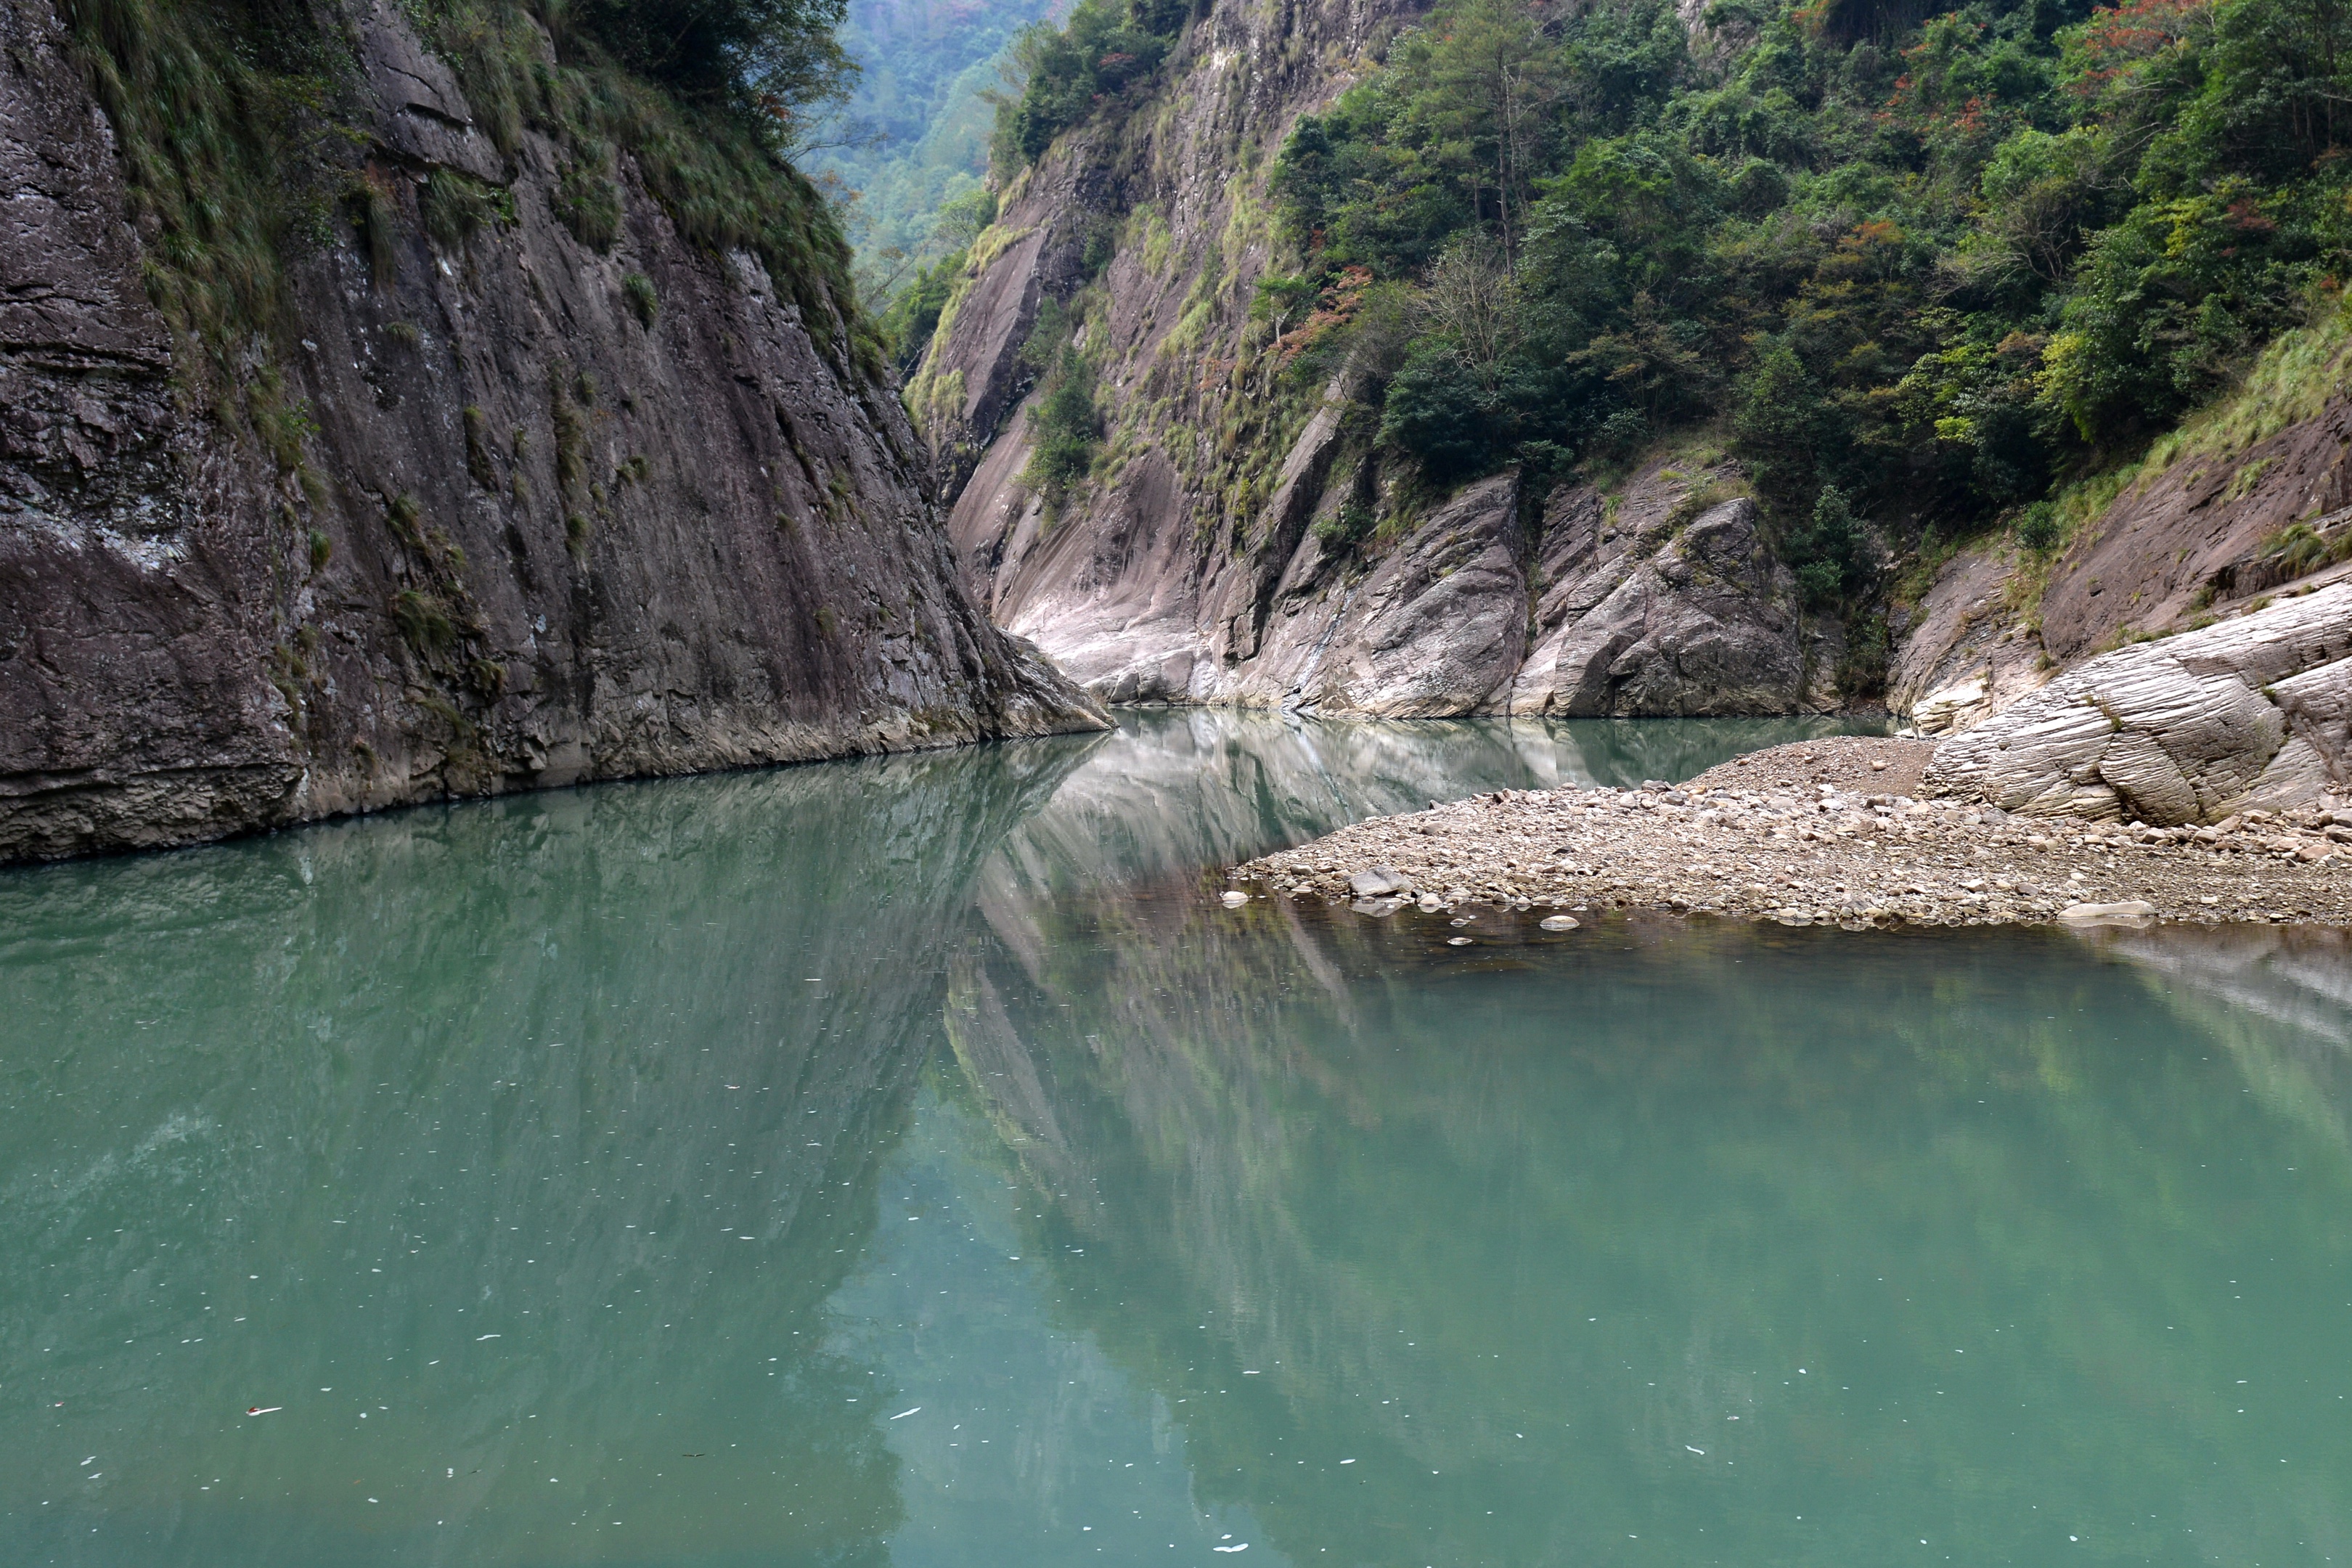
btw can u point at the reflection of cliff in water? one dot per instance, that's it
(1194, 790)
(1521, 1229)
(517, 1095)
(2278, 998)
(1624, 753)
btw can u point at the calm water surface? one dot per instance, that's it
(908, 1160)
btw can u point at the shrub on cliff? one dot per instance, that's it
(779, 58)
(233, 121)
(1064, 428)
(1067, 73)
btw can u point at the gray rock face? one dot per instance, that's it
(1434, 629)
(1192, 570)
(1172, 582)
(1964, 655)
(2252, 712)
(1648, 609)
(538, 541)
(1657, 613)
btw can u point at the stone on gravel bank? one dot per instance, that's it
(1821, 855)
(2252, 712)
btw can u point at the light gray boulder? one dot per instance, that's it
(2253, 711)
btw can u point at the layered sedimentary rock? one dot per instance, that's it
(1965, 652)
(2198, 530)
(2251, 495)
(541, 513)
(2251, 712)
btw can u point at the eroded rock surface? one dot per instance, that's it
(2194, 532)
(542, 538)
(1656, 611)
(1241, 542)
(2251, 712)
(1966, 652)
(1435, 628)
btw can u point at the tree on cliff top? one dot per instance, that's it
(1917, 271)
(779, 58)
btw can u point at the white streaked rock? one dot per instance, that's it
(2252, 712)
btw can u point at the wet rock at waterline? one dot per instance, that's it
(2132, 911)
(1658, 611)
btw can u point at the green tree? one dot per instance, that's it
(778, 58)
(1486, 80)
(1785, 424)
(1830, 553)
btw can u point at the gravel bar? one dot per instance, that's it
(1797, 833)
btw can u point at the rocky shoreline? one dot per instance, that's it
(1820, 833)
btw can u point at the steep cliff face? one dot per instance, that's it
(1247, 544)
(529, 512)
(1185, 574)
(1663, 599)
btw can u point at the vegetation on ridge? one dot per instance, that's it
(1107, 49)
(911, 141)
(1922, 272)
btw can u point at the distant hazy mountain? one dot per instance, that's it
(926, 64)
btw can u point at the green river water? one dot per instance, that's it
(910, 1160)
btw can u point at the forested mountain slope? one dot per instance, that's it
(407, 402)
(1358, 345)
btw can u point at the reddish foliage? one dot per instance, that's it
(1334, 307)
(2116, 40)
(2246, 216)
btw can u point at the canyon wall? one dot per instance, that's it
(1242, 538)
(517, 510)
(1222, 554)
